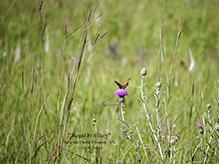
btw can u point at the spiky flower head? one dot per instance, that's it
(121, 93)
(208, 106)
(174, 139)
(201, 126)
(143, 72)
(159, 84)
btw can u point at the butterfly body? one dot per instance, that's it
(124, 85)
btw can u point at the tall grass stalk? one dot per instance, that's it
(48, 97)
(175, 51)
(161, 41)
(66, 109)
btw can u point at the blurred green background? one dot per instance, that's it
(133, 43)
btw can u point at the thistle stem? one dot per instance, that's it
(122, 112)
(174, 154)
(148, 118)
(128, 134)
(158, 109)
(202, 153)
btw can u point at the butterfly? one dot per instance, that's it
(124, 85)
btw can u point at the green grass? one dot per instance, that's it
(46, 101)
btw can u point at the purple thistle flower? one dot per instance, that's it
(174, 139)
(200, 125)
(121, 93)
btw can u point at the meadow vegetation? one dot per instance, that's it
(59, 60)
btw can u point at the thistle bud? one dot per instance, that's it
(201, 131)
(159, 84)
(208, 106)
(174, 139)
(143, 72)
(201, 126)
(121, 99)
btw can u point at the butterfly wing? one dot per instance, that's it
(124, 85)
(120, 85)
